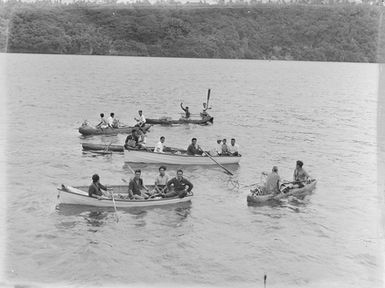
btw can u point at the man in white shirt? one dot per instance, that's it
(160, 146)
(233, 148)
(141, 120)
(111, 120)
(161, 180)
(217, 150)
(103, 123)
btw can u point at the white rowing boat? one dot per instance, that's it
(178, 157)
(79, 196)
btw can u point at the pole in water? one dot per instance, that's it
(264, 280)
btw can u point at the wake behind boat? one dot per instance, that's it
(177, 157)
(79, 196)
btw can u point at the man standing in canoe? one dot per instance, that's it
(177, 186)
(185, 110)
(273, 182)
(194, 148)
(136, 189)
(95, 189)
(300, 175)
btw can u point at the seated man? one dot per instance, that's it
(141, 121)
(225, 148)
(300, 175)
(161, 180)
(136, 189)
(112, 122)
(187, 115)
(132, 140)
(95, 189)
(103, 123)
(217, 150)
(160, 146)
(193, 148)
(233, 148)
(177, 186)
(273, 182)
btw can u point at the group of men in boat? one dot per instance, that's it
(273, 181)
(203, 114)
(111, 122)
(164, 187)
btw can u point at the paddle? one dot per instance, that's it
(208, 98)
(116, 210)
(208, 155)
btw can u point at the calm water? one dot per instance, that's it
(322, 113)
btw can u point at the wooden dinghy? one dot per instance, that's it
(87, 130)
(167, 121)
(176, 156)
(79, 196)
(253, 197)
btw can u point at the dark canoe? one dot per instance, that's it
(120, 148)
(203, 121)
(102, 147)
(87, 130)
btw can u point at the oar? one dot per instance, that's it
(116, 210)
(227, 171)
(208, 98)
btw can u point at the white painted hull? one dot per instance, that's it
(142, 156)
(74, 196)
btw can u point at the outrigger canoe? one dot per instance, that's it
(79, 196)
(178, 157)
(166, 121)
(87, 130)
(253, 197)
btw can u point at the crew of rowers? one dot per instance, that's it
(164, 187)
(273, 181)
(111, 122)
(137, 139)
(203, 114)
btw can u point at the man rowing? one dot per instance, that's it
(178, 186)
(186, 110)
(96, 188)
(300, 175)
(194, 149)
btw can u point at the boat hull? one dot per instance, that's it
(102, 147)
(252, 198)
(87, 130)
(79, 196)
(203, 121)
(143, 156)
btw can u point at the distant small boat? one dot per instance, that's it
(79, 196)
(177, 156)
(87, 130)
(254, 198)
(169, 121)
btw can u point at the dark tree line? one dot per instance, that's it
(292, 32)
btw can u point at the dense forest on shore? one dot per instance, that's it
(291, 32)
